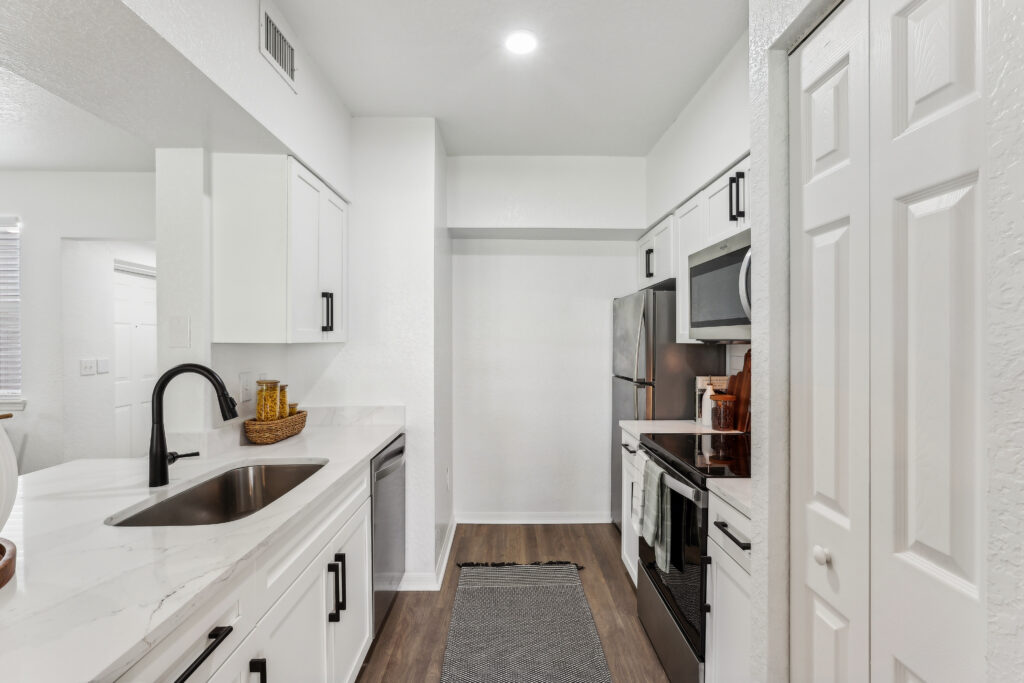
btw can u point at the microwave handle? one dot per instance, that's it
(744, 271)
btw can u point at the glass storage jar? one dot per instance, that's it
(282, 401)
(267, 404)
(723, 412)
(293, 409)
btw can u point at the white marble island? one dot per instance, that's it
(90, 600)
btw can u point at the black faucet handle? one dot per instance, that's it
(173, 456)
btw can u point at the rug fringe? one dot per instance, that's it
(460, 565)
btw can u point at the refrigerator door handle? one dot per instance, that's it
(639, 337)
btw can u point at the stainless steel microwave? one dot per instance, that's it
(720, 291)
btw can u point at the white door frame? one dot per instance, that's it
(776, 26)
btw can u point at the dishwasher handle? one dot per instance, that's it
(389, 466)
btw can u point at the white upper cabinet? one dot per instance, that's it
(726, 204)
(656, 257)
(279, 253)
(691, 220)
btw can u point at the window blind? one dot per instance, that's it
(10, 307)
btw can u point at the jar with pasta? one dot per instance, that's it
(282, 401)
(293, 409)
(267, 402)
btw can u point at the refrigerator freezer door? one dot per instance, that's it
(629, 358)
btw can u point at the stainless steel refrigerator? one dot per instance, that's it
(653, 377)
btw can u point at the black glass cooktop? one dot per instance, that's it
(702, 456)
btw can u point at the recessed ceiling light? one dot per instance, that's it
(521, 42)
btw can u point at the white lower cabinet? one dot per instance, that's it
(303, 612)
(320, 629)
(630, 539)
(727, 648)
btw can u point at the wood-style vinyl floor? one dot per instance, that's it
(411, 644)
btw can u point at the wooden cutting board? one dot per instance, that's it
(8, 556)
(743, 397)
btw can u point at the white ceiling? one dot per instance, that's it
(44, 132)
(608, 78)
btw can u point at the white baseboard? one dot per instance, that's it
(595, 517)
(426, 581)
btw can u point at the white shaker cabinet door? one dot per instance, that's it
(332, 255)
(630, 539)
(306, 309)
(291, 640)
(727, 652)
(829, 257)
(351, 632)
(689, 229)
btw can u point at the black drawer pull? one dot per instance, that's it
(217, 637)
(744, 545)
(741, 207)
(335, 614)
(338, 568)
(259, 666)
(647, 263)
(628, 449)
(733, 184)
(342, 604)
(328, 298)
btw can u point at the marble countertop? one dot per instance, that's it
(638, 427)
(735, 492)
(89, 600)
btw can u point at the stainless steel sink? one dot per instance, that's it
(226, 497)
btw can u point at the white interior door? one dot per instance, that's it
(135, 366)
(927, 452)
(829, 254)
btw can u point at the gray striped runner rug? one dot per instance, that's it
(523, 624)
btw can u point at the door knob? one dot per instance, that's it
(822, 556)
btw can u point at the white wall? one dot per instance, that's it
(551, 193)
(389, 358)
(444, 512)
(52, 206)
(532, 343)
(710, 134)
(87, 274)
(221, 39)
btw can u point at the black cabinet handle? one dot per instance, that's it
(335, 614)
(217, 637)
(259, 666)
(732, 191)
(647, 263)
(628, 449)
(741, 207)
(744, 545)
(328, 299)
(342, 604)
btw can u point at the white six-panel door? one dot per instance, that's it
(927, 484)
(829, 251)
(135, 366)
(887, 429)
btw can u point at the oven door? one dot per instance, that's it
(683, 588)
(720, 290)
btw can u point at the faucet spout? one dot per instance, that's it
(159, 458)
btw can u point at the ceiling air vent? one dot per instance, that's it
(276, 47)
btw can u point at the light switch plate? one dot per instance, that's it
(102, 366)
(87, 366)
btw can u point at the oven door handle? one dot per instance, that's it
(685, 490)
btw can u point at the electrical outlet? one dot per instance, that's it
(87, 366)
(102, 366)
(245, 384)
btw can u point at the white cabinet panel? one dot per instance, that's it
(350, 635)
(305, 316)
(630, 539)
(727, 650)
(725, 202)
(656, 257)
(690, 236)
(279, 244)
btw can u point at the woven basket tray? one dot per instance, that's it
(264, 433)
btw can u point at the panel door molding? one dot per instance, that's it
(829, 252)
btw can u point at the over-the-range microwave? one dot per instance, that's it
(720, 291)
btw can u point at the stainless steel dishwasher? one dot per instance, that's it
(387, 471)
